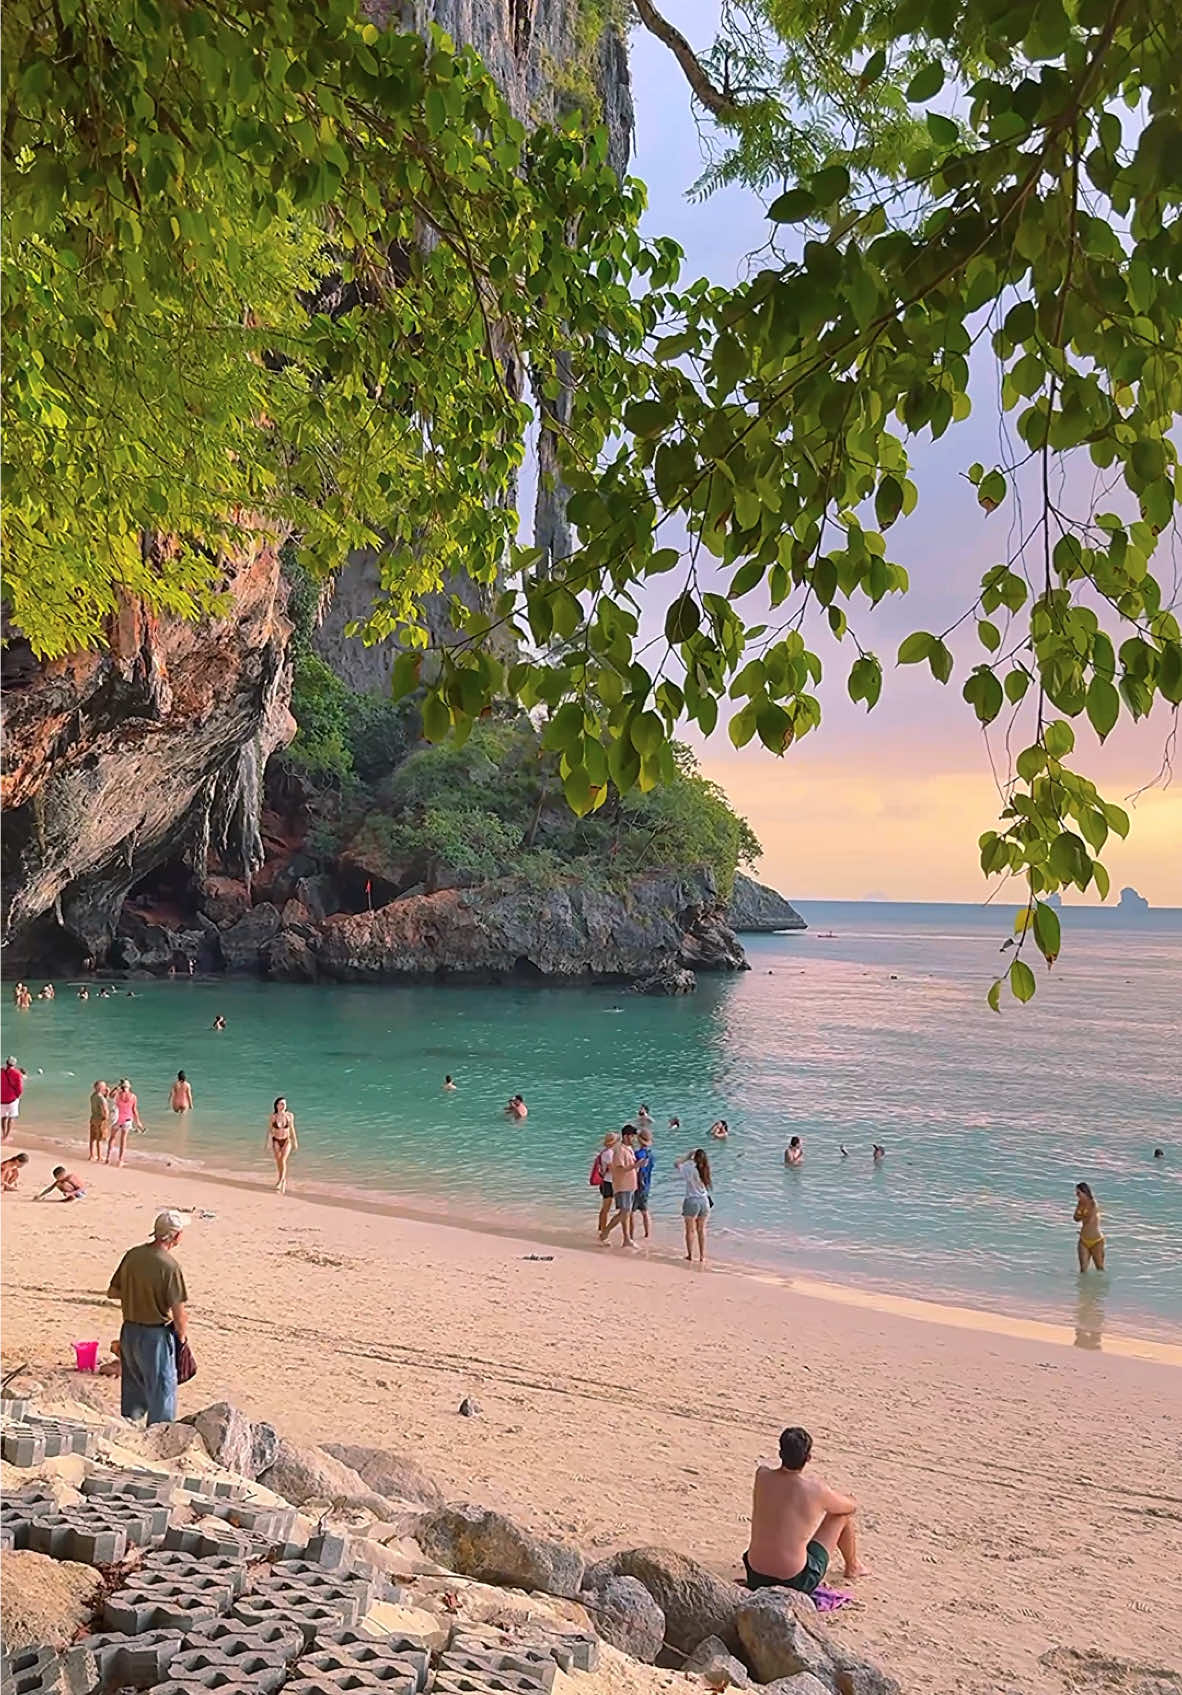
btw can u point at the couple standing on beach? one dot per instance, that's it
(623, 1173)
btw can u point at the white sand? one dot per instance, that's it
(1020, 1498)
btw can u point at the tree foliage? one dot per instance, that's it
(268, 267)
(165, 169)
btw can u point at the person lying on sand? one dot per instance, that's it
(796, 1522)
(67, 1186)
(10, 1171)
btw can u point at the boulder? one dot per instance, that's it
(44, 1602)
(319, 894)
(296, 916)
(855, 1676)
(671, 980)
(243, 942)
(488, 1546)
(756, 909)
(777, 1638)
(626, 1615)
(804, 1683)
(396, 1476)
(291, 957)
(239, 1443)
(694, 1601)
(711, 1661)
(225, 900)
(312, 1474)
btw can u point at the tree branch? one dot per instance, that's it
(711, 97)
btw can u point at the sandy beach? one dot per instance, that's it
(1021, 1503)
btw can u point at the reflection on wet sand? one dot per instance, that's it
(1089, 1315)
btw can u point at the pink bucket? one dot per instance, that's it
(86, 1354)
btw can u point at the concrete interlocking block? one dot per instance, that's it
(308, 1617)
(215, 1488)
(537, 1667)
(21, 1445)
(134, 1662)
(343, 1683)
(412, 1652)
(154, 1601)
(409, 1673)
(63, 1436)
(180, 1567)
(267, 1672)
(44, 1671)
(383, 1675)
(202, 1543)
(128, 1485)
(485, 1683)
(14, 1407)
(351, 1598)
(328, 1550)
(232, 1637)
(63, 1536)
(274, 1522)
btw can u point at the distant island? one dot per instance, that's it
(1132, 902)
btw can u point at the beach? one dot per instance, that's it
(1020, 1501)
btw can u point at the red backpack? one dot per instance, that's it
(596, 1177)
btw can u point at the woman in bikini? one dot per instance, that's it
(1091, 1238)
(281, 1139)
(181, 1097)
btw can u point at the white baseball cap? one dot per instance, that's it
(170, 1222)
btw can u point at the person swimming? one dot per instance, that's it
(794, 1152)
(180, 1098)
(1090, 1246)
(219, 1022)
(1159, 1153)
(515, 1107)
(643, 1117)
(720, 1129)
(879, 1153)
(843, 1150)
(447, 1082)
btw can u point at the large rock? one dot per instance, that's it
(243, 943)
(756, 909)
(510, 929)
(44, 1602)
(804, 1683)
(239, 1443)
(671, 980)
(291, 957)
(711, 1661)
(396, 1476)
(626, 1615)
(312, 1474)
(488, 1546)
(777, 1633)
(695, 1602)
(146, 749)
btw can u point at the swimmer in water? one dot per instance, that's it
(879, 1153)
(675, 1124)
(794, 1152)
(447, 1083)
(720, 1130)
(1159, 1153)
(644, 1117)
(515, 1107)
(1090, 1246)
(219, 1022)
(845, 1152)
(180, 1097)
(84, 993)
(281, 1139)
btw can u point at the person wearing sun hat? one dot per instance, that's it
(150, 1288)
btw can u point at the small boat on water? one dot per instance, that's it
(826, 935)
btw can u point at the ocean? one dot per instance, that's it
(869, 1026)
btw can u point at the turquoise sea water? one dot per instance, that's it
(878, 1034)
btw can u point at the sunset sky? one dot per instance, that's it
(889, 803)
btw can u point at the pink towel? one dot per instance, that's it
(828, 1600)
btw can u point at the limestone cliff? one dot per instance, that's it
(756, 909)
(152, 750)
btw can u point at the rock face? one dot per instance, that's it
(239, 1443)
(696, 1604)
(773, 1627)
(396, 1476)
(626, 1615)
(755, 909)
(312, 1474)
(486, 1545)
(711, 1661)
(118, 761)
(500, 931)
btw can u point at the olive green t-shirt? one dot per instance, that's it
(98, 1110)
(148, 1283)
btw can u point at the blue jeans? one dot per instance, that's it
(147, 1382)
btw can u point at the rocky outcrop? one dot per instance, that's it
(695, 1602)
(241, 1444)
(487, 1545)
(503, 930)
(394, 1475)
(117, 761)
(756, 909)
(626, 1615)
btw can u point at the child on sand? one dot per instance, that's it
(65, 1183)
(10, 1171)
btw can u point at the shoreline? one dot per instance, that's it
(385, 1204)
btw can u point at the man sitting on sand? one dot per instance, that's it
(65, 1183)
(796, 1522)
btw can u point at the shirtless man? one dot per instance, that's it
(796, 1523)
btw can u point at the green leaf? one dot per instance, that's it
(915, 648)
(888, 502)
(865, 680)
(991, 490)
(682, 619)
(1030, 762)
(989, 634)
(1047, 931)
(793, 207)
(1022, 984)
(994, 995)
(830, 185)
(436, 718)
(1058, 739)
(926, 83)
(1103, 706)
(940, 660)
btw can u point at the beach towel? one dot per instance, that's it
(828, 1600)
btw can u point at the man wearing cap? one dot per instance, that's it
(150, 1287)
(12, 1086)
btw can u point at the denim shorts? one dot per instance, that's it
(695, 1206)
(624, 1199)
